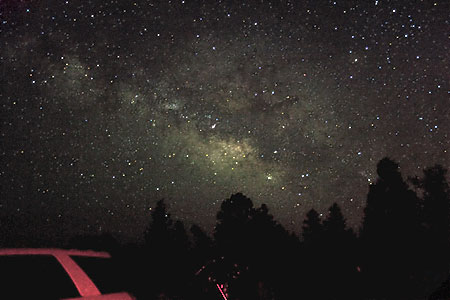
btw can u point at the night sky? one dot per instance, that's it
(109, 106)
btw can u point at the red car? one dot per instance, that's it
(58, 274)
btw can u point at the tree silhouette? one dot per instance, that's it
(183, 266)
(232, 237)
(312, 254)
(274, 251)
(339, 261)
(202, 246)
(435, 221)
(312, 229)
(436, 206)
(442, 293)
(334, 226)
(402, 251)
(203, 259)
(232, 228)
(389, 235)
(166, 262)
(158, 233)
(180, 237)
(257, 250)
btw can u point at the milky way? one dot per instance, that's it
(108, 107)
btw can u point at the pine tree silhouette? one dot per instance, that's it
(312, 254)
(273, 251)
(312, 229)
(340, 264)
(158, 233)
(334, 226)
(435, 221)
(183, 266)
(166, 262)
(436, 208)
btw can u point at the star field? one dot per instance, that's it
(109, 106)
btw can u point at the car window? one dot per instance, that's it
(102, 272)
(34, 277)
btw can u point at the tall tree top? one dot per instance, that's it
(237, 206)
(160, 224)
(388, 170)
(335, 222)
(312, 226)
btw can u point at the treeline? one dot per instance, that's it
(401, 250)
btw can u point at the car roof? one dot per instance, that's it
(53, 251)
(81, 280)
